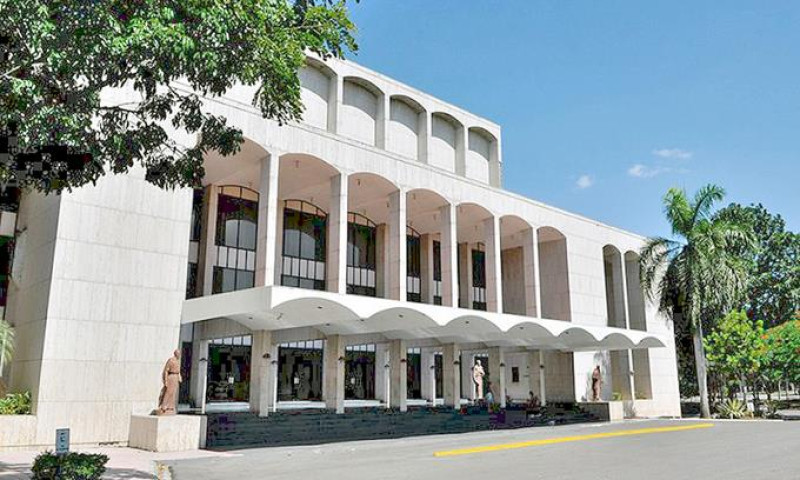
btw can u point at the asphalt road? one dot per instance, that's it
(725, 450)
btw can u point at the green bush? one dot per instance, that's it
(732, 408)
(73, 466)
(16, 404)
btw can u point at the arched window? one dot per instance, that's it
(304, 244)
(237, 227)
(413, 265)
(479, 277)
(361, 255)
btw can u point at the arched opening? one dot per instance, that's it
(518, 267)
(405, 125)
(479, 154)
(427, 213)
(554, 275)
(445, 134)
(638, 321)
(615, 302)
(373, 233)
(476, 269)
(360, 110)
(236, 238)
(305, 195)
(317, 84)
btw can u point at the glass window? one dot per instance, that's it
(304, 245)
(361, 255)
(236, 237)
(413, 265)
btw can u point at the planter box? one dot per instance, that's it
(17, 431)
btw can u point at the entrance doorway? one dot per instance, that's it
(300, 371)
(414, 373)
(359, 379)
(229, 369)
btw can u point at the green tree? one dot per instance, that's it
(773, 287)
(734, 348)
(695, 276)
(58, 56)
(781, 353)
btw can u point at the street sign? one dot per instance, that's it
(62, 440)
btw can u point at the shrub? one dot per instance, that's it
(73, 466)
(616, 396)
(732, 408)
(16, 404)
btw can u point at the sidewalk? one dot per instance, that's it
(124, 463)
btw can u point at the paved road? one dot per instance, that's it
(725, 450)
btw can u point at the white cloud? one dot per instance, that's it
(643, 171)
(673, 153)
(584, 181)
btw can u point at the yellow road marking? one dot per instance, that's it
(550, 441)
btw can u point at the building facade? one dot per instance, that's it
(366, 255)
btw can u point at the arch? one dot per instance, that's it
(406, 126)
(361, 110)
(447, 134)
(470, 217)
(480, 154)
(636, 302)
(317, 93)
(423, 210)
(554, 275)
(306, 177)
(368, 194)
(614, 285)
(241, 168)
(517, 266)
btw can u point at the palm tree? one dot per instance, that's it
(696, 275)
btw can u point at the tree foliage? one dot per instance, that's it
(773, 283)
(59, 56)
(697, 274)
(735, 347)
(780, 357)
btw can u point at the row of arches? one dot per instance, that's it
(388, 118)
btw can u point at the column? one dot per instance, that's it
(532, 361)
(335, 98)
(451, 376)
(427, 375)
(426, 268)
(209, 250)
(266, 247)
(382, 121)
(537, 274)
(466, 295)
(497, 375)
(396, 286)
(199, 379)
(542, 388)
(382, 373)
(495, 164)
(397, 370)
(334, 373)
(629, 353)
(462, 147)
(529, 265)
(449, 252)
(336, 275)
(424, 136)
(494, 288)
(262, 378)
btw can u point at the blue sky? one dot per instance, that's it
(606, 104)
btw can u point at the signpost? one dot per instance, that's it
(62, 441)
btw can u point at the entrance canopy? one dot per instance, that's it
(278, 308)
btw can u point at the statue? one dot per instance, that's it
(477, 378)
(170, 379)
(597, 381)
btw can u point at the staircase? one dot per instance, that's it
(228, 431)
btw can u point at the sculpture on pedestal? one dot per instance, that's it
(597, 381)
(477, 379)
(170, 380)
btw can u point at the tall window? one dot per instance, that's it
(194, 242)
(479, 278)
(361, 251)
(413, 265)
(437, 272)
(303, 245)
(237, 227)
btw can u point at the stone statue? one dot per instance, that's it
(597, 381)
(477, 378)
(170, 379)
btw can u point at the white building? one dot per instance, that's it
(367, 254)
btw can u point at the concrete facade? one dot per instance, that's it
(100, 274)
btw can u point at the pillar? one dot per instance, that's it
(497, 375)
(396, 283)
(335, 98)
(428, 375)
(199, 378)
(382, 373)
(334, 373)
(494, 275)
(209, 250)
(262, 373)
(542, 387)
(449, 253)
(537, 275)
(529, 251)
(336, 257)
(451, 376)
(382, 121)
(532, 362)
(462, 147)
(426, 268)
(631, 374)
(398, 373)
(465, 294)
(424, 136)
(266, 246)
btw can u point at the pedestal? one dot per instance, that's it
(167, 433)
